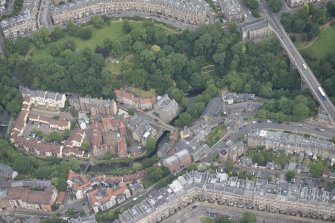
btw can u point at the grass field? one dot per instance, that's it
(144, 94)
(324, 44)
(215, 135)
(112, 31)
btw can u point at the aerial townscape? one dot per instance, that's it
(146, 111)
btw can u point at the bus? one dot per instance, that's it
(322, 93)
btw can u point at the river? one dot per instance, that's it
(4, 118)
(108, 167)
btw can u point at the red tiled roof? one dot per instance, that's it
(31, 197)
(92, 196)
(122, 148)
(134, 177)
(61, 197)
(144, 101)
(84, 182)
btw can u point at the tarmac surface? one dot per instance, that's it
(195, 211)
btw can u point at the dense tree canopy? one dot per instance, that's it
(203, 61)
(275, 5)
(324, 69)
(306, 21)
(248, 218)
(28, 166)
(317, 168)
(289, 175)
(253, 5)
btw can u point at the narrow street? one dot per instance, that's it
(193, 215)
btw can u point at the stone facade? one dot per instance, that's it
(295, 3)
(305, 199)
(291, 143)
(256, 30)
(232, 10)
(166, 108)
(231, 153)
(23, 24)
(28, 198)
(190, 12)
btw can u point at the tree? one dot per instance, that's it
(317, 168)
(85, 33)
(43, 172)
(55, 49)
(300, 110)
(251, 4)
(54, 137)
(73, 111)
(196, 109)
(330, 8)
(275, 5)
(113, 46)
(138, 34)
(41, 37)
(54, 220)
(248, 218)
(131, 112)
(22, 45)
(98, 21)
(154, 173)
(56, 34)
(38, 133)
(127, 28)
(54, 207)
(150, 145)
(155, 49)
(71, 28)
(85, 147)
(137, 166)
(9, 47)
(69, 44)
(289, 175)
(22, 165)
(298, 25)
(183, 120)
(229, 166)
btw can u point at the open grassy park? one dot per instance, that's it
(324, 44)
(112, 31)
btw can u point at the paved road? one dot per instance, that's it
(44, 14)
(306, 74)
(192, 215)
(238, 133)
(313, 130)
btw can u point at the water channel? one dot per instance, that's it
(4, 119)
(108, 167)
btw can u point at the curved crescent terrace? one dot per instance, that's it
(190, 12)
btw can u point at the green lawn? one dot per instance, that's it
(324, 44)
(215, 135)
(114, 68)
(207, 220)
(112, 31)
(142, 93)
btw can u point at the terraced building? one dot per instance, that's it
(190, 11)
